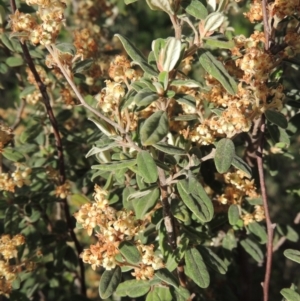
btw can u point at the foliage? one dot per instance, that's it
(138, 170)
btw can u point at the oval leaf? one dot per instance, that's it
(133, 288)
(136, 55)
(169, 149)
(253, 249)
(159, 294)
(155, 128)
(233, 214)
(130, 252)
(259, 232)
(164, 5)
(12, 155)
(170, 54)
(213, 21)
(115, 165)
(276, 118)
(196, 9)
(292, 255)
(225, 152)
(196, 268)
(196, 199)
(213, 260)
(290, 295)
(14, 61)
(240, 164)
(144, 204)
(145, 97)
(147, 167)
(109, 282)
(167, 277)
(218, 71)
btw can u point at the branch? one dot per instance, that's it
(59, 148)
(169, 220)
(270, 226)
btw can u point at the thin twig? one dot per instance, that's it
(176, 25)
(59, 148)
(54, 55)
(19, 114)
(266, 24)
(169, 220)
(270, 227)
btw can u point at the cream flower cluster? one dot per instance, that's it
(18, 178)
(8, 250)
(112, 227)
(50, 12)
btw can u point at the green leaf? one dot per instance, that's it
(166, 276)
(218, 71)
(213, 261)
(214, 43)
(169, 55)
(290, 295)
(115, 165)
(109, 281)
(225, 152)
(130, 252)
(190, 83)
(196, 9)
(163, 78)
(155, 128)
(14, 61)
(31, 132)
(129, 1)
(253, 249)
(156, 46)
(169, 149)
(196, 268)
(164, 5)
(292, 255)
(233, 214)
(240, 164)
(213, 21)
(82, 66)
(102, 125)
(147, 167)
(144, 204)
(7, 42)
(133, 288)
(180, 294)
(66, 48)
(276, 118)
(136, 55)
(196, 199)
(180, 211)
(186, 99)
(145, 97)
(78, 199)
(159, 294)
(259, 232)
(12, 155)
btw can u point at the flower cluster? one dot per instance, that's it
(113, 227)
(238, 186)
(8, 252)
(18, 178)
(51, 13)
(6, 136)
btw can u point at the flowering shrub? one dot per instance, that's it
(173, 142)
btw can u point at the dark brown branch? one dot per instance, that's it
(59, 148)
(270, 227)
(169, 221)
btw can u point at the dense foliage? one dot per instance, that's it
(149, 150)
